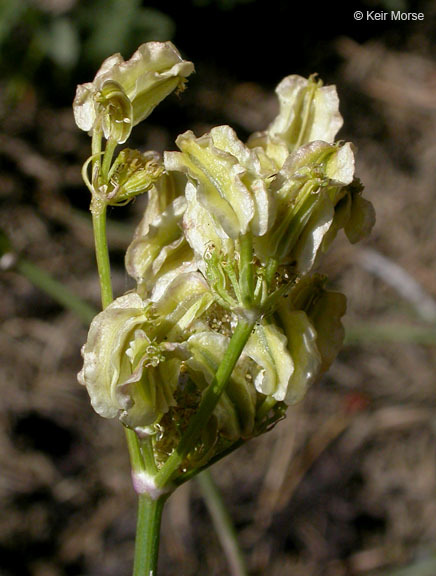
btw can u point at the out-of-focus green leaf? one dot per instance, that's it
(5, 244)
(151, 24)
(111, 24)
(61, 42)
(119, 25)
(10, 15)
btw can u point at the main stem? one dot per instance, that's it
(147, 535)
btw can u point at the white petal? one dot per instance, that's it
(267, 346)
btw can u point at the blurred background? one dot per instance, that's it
(346, 485)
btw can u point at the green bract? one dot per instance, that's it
(123, 94)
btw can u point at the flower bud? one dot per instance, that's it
(131, 174)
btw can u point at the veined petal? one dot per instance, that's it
(185, 299)
(84, 106)
(103, 353)
(312, 181)
(308, 111)
(271, 151)
(160, 249)
(161, 195)
(267, 346)
(301, 336)
(352, 213)
(340, 165)
(325, 314)
(150, 393)
(201, 231)
(361, 220)
(311, 239)
(256, 177)
(218, 177)
(153, 72)
(325, 310)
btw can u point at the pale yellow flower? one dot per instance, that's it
(123, 94)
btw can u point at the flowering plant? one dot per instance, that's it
(229, 323)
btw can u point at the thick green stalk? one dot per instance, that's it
(222, 523)
(147, 535)
(207, 405)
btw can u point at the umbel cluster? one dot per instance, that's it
(228, 319)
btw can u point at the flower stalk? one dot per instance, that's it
(148, 535)
(98, 211)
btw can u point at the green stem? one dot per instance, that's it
(265, 407)
(147, 535)
(136, 458)
(96, 148)
(147, 452)
(222, 523)
(58, 291)
(247, 269)
(270, 270)
(107, 158)
(98, 210)
(209, 401)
